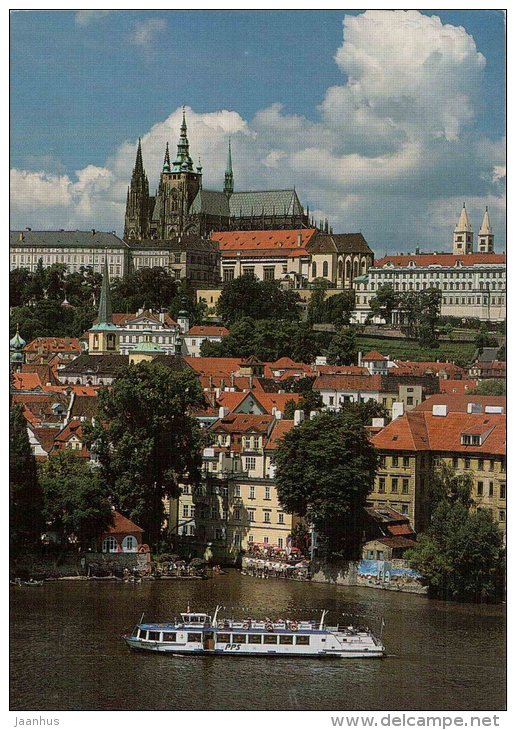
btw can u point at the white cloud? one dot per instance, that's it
(393, 154)
(84, 18)
(145, 32)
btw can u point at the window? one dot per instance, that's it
(481, 464)
(266, 516)
(406, 461)
(410, 400)
(480, 489)
(229, 274)
(194, 637)
(325, 269)
(109, 545)
(491, 489)
(254, 639)
(237, 539)
(501, 515)
(404, 509)
(185, 510)
(395, 461)
(285, 639)
(252, 492)
(394, 485)
(502, 490)
(280, 542)
(169, 636)
(331, 400)
(223, 638)
(237, 490)
(405, 486)
(302, 640)
(383, 461)
(267, 493)
(491, 464)
(129, 544)
(270, 639)
(143, 634)
(250, 463)
(251, 515)
(236, 514)
(268, 273)
(248, 270)
(266, 540)
(467, 463)
(239, 638)
(381, 485)
(281, 518)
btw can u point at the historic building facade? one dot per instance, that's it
(182, 207)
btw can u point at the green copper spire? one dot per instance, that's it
(105, 318)
(183, 161)
(228, 176)
(166, 161)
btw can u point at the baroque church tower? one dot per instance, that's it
(178, 186)
(138, 209)
(486, 235)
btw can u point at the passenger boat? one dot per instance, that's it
(200, 634)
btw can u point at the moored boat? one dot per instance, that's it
(200, 634)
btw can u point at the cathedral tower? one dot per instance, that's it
(138, 206)
(178, 187)
(463, 234)
(228, 176)
(486, 235)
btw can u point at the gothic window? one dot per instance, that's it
(364, 264)
(325, 269)
(340, 270)
(355, 268)
(348, 269)
(314, 270)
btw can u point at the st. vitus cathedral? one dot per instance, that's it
(182, 207)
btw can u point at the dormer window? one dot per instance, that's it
(471, 439)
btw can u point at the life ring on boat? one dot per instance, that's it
(245, 625)
(269, 627)
(220, 624)
(293, 626)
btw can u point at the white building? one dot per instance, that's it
(198, 334)
(131, 328)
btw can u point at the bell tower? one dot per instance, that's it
(463, 234)
(103, 337)
(138, 204)
(486, 235)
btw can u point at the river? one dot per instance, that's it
(67, 652)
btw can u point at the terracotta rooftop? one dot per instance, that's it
(279, 430)
(456, 386)
(442, 259)
(211, 330)
(242, 423)
(122, 524)
(374, 356)
(54, 344)
(348, 382)
(458, 403)
(264, 243)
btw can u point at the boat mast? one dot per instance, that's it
(214, 622)
(321, 625)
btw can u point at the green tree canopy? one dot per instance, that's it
(461, 554)
(385, 301)
(420, 312)
(25, 497)
(76, 499)
(146, 440)
(325, 470)
(343, 349)
(494, 386)
(152, 288)
(246, 296)
(484, 339)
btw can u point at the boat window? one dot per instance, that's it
(169, 637)
(239, 638)
(284, 639)
(255, 638)
(194, 637)
(153, 636)
(270, 639)
(223, 638)
(143, 634)
(302, 640)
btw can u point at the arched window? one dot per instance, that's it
(109, 545)
(348, 269)
(129, 544)
(355, 268)
(325, 269)
(364, 266)
(340, 268)
(314, 270)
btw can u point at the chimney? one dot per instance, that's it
(359, 359)
(378, 422)
(93, 231)
(398, 410)
(21, 237)
(210, 382)
(442, 410)
(299, 240)
(278, 415)
(162, 316)
(299, 417)
(232, 380)
(223, 411)
(28, 229)
(475, 408)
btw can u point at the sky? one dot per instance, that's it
(384, 121)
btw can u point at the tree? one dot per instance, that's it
(310, 401)
(484, 339)
(366, 411)
(461, 554)
(493, 386)
(315, 309)
(384, 303)
(152, 288)
(343, 347)
(446, 484)
(146, 440)
(420, 315)
(76, 499)
(246, 296)
(325, 470)
(25, 498)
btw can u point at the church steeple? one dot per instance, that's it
(486, 235)
(166, 161)
(103, 336)
(463, 234)
(228, 176)
(183, 161)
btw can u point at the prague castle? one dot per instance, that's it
(182, 207)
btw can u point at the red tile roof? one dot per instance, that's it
(456, 386)
(54, 344)
(46, 437)
(243, 423)
(444, 259)
(276, 400)
(422, 431)
(208, 331)
(417, 367)
(348, 382)
(264, 243)
(458, 403)
(122, 524)
(340, 370)
(221, 366)
(26, 381)
(279, 429)
(374, 356)
(123, 318)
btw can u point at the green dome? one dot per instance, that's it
(146, 345)
(17, 342)
(17, 357)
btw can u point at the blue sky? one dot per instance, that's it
(382, 124)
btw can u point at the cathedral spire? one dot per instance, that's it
(105, 310)
(228, 176)
(183, 161)
(137, 216)
(166, 161)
